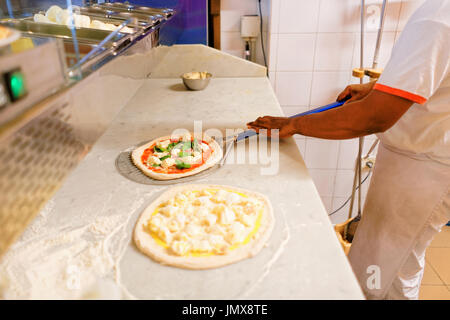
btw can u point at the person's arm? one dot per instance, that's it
(377, 112)
(354, 92)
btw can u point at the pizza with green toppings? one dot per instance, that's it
(174, 157)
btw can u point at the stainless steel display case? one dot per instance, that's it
(127, 7)
(87, 40)
(97, 45)
(39, 127)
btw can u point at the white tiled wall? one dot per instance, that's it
(312, 47)
(230, 24)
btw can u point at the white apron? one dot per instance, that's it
(408, 202)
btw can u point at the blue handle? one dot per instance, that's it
(250, 133)
(320, 109)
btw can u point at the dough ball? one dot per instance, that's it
(53, 12)
(41, 18)
(63, 17)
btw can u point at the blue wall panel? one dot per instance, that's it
(189, 26)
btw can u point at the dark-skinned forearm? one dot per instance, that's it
(345, 122)
(377, 112)
(348, 121)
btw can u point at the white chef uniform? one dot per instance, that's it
(408, 200)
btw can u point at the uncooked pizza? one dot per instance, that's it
(174, 157)
(4, 32)
(204, 226)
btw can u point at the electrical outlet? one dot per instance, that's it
(367, 163)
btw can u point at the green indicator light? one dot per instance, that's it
(17, 85)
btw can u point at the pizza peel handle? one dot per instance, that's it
(250, 133)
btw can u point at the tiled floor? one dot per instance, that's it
(436, 279)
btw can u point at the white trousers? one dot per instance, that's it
(407, 204)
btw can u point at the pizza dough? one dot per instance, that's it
(174, 157)
(203, 226)
(4, 32)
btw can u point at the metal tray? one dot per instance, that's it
(116, 20)
(165, 12)
(86, 35)
(109, 14)
(126, 168)
(123, 7)
(133, 24)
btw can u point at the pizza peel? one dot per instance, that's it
(230, 140)
(126, 167)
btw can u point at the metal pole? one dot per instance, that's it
(357, 176)
(379, 35)
(361, 139)
(358, 168)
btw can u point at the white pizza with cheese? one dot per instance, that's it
(204, 226)
(174, 157)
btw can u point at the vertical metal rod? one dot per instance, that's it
(363, 21)
(361, 139)
(379, 35)
(357, 176)
(374, 65)
(350, 211)
(358, 168)
(361, 146)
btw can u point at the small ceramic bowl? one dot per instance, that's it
(196, 80)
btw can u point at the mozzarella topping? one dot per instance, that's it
(174, 153)
(163, 144)
(209, 221)
(204, 147)
(166, 163)
(188, 160)
(186, 137)
(177, 153)
(153, 160)
(160, 154)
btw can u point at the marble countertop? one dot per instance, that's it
(302, 260)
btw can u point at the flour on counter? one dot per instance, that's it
(274, 258)
(76, 260)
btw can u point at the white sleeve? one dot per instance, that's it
(419, 62)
